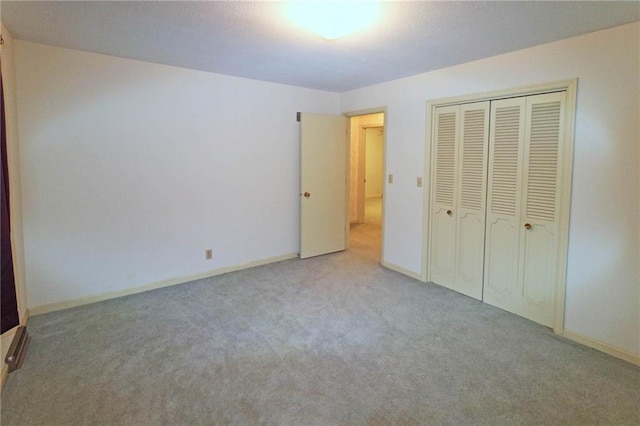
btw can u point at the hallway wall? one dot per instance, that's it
(374, 157)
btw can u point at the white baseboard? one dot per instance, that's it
(52, 307)
(602, 347)
(402, 270)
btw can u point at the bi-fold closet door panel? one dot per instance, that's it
(504, 201)
(459, 197)
(541, 204)
(525, 148)
(442, 206)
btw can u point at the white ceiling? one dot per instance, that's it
(254, 40)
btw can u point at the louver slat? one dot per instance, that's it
(473, 143)
(543, 161)
(505, 160)
(445, 168)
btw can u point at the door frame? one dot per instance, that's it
(355, 113)
(569, 86)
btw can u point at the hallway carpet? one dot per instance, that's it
(335, 339)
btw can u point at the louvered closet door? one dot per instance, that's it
(521, 248)
(539, 221)
(458, 213)
(501, 280)
(443, 224)
(470, 206)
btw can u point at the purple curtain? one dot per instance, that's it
(9, 304)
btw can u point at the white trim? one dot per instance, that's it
(426, 191)
(602, 347)
(565, 205)
(535, 89)
(52, 307)
(347, 188)
(367, 111)
(570, 87)
(402, 270)
(385, 152)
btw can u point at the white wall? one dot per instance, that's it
(15, 191)
(131, 170)
(373, 162)
(603, 282)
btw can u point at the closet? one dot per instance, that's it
(496, 181)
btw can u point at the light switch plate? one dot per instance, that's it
(390, 178)
(419, 182)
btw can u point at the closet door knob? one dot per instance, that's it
(449, 212)
(527, 226)
(307, 195)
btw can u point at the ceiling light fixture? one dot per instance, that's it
(333, 19)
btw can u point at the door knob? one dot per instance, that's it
(449, 212)
(307, 195)
(527, 226)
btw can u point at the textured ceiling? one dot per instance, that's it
(254, 40)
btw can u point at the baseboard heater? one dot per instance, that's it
(18, 349)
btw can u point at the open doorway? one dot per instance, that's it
(366, 189)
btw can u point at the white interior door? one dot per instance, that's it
(503, 203)
(323, 201)
(539, 221)
(471, 198)
(459, 197)
(443, 219)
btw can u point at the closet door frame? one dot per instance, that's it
(570, 87)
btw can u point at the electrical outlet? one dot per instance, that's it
(208, 254)
(419, 182)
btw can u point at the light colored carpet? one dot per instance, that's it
(330, 340)
(365, 237)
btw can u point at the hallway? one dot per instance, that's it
(366, 238)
